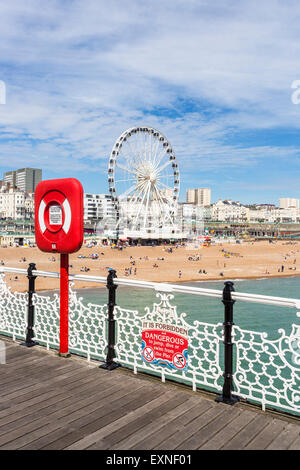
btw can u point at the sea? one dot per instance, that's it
(249, 316)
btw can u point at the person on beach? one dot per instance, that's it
(179, 274)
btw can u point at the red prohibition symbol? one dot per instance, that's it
(179, 361)
(148, 354)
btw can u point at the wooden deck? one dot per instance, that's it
(48, 402)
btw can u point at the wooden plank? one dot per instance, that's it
(34, 390)
(173, 426)
(111, 427)
(43, 427)
(68, 431)
(164, 416)
(229, 431)
(29, 404)
(30, 429)
(239, 441)
(37, 374)
(210, 429)
(126, 436)
(47, 402)
(285, 438)
(267, 435)
(202, 420)
(43, 409)
(295, 445)
(26, 388)
(22, 363)
(103, 417)
(72, 415)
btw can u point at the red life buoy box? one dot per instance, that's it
(59, 215)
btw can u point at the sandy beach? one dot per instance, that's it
(186, 263)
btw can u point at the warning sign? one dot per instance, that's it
(179, 361)
(165, 345)
(55, 215)
(148, 354)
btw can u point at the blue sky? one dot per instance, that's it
(214, 77)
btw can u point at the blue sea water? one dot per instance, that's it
(250, 316)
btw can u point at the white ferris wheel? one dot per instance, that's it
(143, 178)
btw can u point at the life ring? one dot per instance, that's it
(50, 199)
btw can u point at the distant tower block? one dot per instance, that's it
(199, 196)
(25, 179)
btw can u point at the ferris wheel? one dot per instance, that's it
(143, 178)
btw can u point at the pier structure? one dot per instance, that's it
(52, 403)
(222, 386)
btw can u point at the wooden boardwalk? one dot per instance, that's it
(48, 402)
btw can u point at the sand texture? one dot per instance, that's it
(239, 261)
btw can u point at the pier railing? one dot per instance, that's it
(224, 358)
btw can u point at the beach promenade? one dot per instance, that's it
(49, 402)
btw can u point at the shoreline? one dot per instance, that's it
(161, 264)
(239, 279)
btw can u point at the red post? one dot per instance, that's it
(64, 305)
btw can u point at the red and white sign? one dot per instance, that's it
(59, 215)
(165, 345)
(148, 354)
(179, 361)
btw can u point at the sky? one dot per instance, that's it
(214, 77)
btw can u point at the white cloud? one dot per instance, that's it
(78, 74)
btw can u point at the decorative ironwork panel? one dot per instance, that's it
(87, 335)
(87, 323)
(13, 311)
(46, 320)
(203, 344)
(268, 371)
(87, 328)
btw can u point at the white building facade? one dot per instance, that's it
(287, 202)
(98, 207)
(225, 211)
(15, 204)
(199, 196)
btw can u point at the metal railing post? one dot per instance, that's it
(111, 286)
(226, 396)
(30, 308)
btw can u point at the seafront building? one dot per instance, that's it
(101, 215)
(287, 202)
(229, 211)
(199, 196)
(24, 179)
(16, 204)
(98, 207)
(191, 218)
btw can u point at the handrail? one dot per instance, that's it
(166, 287)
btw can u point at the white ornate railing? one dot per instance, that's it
(204, 344)
(87, 335)
(265, 371)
